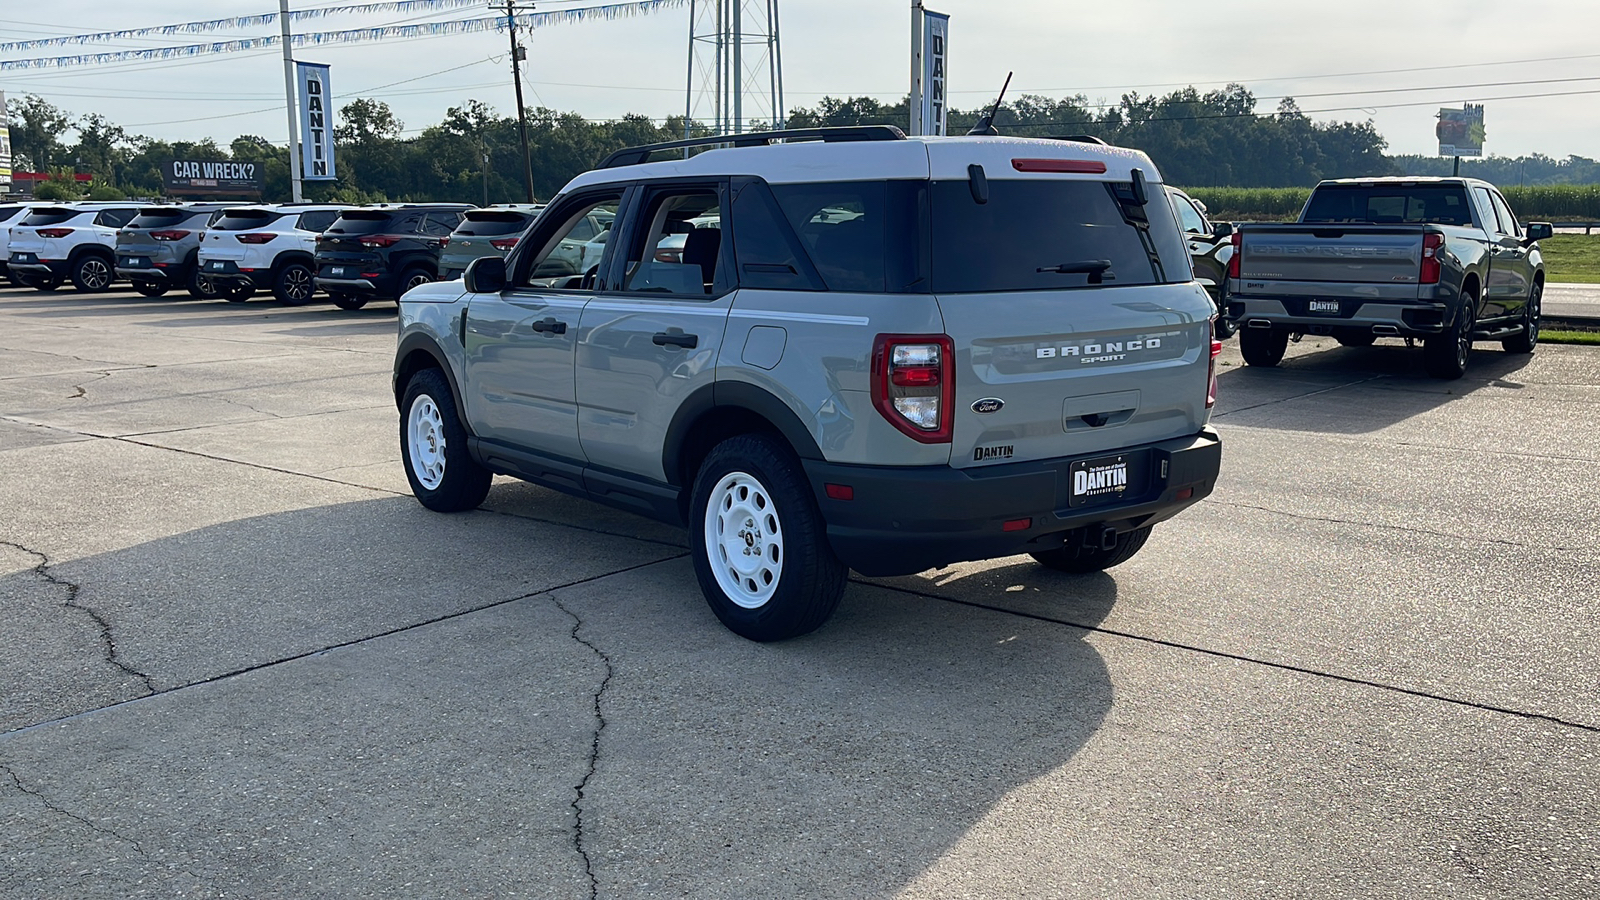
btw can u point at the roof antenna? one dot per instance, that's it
(985, 125)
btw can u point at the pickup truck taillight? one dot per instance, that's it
(1432, 268)
(1238, 247)
(914, 384)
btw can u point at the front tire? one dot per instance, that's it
(1081, 560)
(150, 288)
(238, 293)
(200, 286)
(348, 301)
(44, 283)
(1531, 316)
(433, 443)
(92, 274)
(293, 286)
(759, 543)
(1263, 346)
(1445, 355)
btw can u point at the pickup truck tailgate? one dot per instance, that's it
(1333, 253)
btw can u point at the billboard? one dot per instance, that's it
(208, 177)
(5, 146)
(1460, 131)
(316, 122)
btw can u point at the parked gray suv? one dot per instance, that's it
(833, 349)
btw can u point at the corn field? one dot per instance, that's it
(1534, 203)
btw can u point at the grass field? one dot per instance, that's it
(1590, 338)
(1572, 258)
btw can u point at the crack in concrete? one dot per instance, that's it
(45, 801)
(107, 639)
(82, 389)
(594, 750)
(1473, 538)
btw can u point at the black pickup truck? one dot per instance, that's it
(1440, 259)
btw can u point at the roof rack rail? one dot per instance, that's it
(633, 156)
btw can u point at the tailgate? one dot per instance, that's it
(1351, 255)
(1076, 373)
(221, 245)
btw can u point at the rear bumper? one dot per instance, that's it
(39, 267)
(904, 519)
(226, 273)
(348, 285)
(1417, 318)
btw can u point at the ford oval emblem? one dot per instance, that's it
(988, 405)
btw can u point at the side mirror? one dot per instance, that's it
(485, 275)
(1538, 231)
(1222, 230)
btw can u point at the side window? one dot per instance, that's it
(317, 220)
(1509, 223)
(407, 224)
(115, 218)
(676, 249)
(1491, 218)
(566, 258)
(842, 228)
(1190, 217)
(440, 224)
(764, 247)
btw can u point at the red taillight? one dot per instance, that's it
(257, 237)
(1432, 267)
(1074, 166)
(1211, 376)
(169, 235)
(1238, 250)
(914, 385)
(508, 243)
(54, 232)
(379, 240)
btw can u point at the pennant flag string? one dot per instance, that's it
(355, 35)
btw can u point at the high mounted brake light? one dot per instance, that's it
(1432, 266)
(914, 384)
(1073, 166)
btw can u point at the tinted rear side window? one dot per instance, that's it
(493, 224)
(317, 220)
(49, 216)
(863, 236)
(355, 222)
(1033, 225)
(246, 219)
(1389, 204)
(7, 213)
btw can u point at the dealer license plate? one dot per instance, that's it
(336, 271)
(1323, 307)
(216, 265)
(134, 262)
(1094, 480)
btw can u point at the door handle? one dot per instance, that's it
(676, 339)
(550, 326)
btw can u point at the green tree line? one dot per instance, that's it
(1212, 139)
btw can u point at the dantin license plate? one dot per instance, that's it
(1095, 480)
(216, 265)
(1323, 307)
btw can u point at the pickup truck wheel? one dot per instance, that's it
(1081, 560)
(1445, 355)
(759, 543)
(1263, 346)
(91, 274)
(1531, 315)
(433, 442)
(1356, 339)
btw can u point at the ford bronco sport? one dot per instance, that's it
(864, 351)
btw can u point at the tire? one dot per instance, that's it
(433, 445)
(1445, 355)
(293, 286)
(1226, 328)
(348, 301)
(92, 273)
(1263, 346)
(1356, 339)
(1079, 560)
(150, 288)
(238, 293)
(412, 278)
(1532, 314)
(201, 287)
(40, 282)
(759, 543)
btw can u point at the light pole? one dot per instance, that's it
(288, 96)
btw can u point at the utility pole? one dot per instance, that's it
(288, 95)
(517, 55)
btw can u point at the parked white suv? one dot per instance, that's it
(10, 214)
(270, 247)
(64, 241)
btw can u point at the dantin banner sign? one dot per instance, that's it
(316, 122)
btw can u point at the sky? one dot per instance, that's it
(1392, 63)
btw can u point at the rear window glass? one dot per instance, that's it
(360, 222)
(493, 224)
(159, 218)
(1389, 204)
(49, 216)
(246, 219)
(1050, 235)
(7, 213)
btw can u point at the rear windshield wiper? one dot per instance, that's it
(1096, 269)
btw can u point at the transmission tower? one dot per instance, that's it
(735, 66)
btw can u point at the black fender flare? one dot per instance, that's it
(736, 395)
(418, 342)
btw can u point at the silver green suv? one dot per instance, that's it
(833, 349)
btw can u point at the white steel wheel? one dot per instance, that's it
(744, 540)
(425, 435)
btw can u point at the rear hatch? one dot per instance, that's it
(157, 235)
(1077, 326)
(484, 232)
(234, 239)
(341, 247)
(46, 233)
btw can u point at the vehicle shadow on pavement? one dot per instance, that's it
(489, 702)
(1351, 390)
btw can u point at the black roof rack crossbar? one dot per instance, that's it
(633, 156)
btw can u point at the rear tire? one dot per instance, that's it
(1445, 355)
(1080, 560)
(293, 286)
(433, 444)
(1263, 346)
(1532, 314)
(348, 301)
(759, 543)
(92, 273)
(150, 288)
(412, 278)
